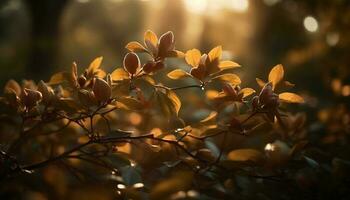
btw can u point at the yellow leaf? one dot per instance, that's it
(246, 155)
(215, 53)
(211, 94)
(291, 97)
(276, 75)
(151, 37)
(58, 78)
(175, 100)
(260, 82)
(119, 74)
(135, 47)
(228, 64)
(210, 117)
(177, 74)
(193, 57)
(95, 64)
(247, 92)
(233, 79)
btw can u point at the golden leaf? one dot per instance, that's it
(215, 53)
(175, 100)
(95, 64)
(228, 65)
(119, 74)
(193, 57)
(246, 155)
(260, 82)
(276, 75)
(211, 116)
(135, 47)
(233, 79)
(177, 74)
(247, 92)
(58, 78)
(291, 97)
(151, 37)
(211, 94)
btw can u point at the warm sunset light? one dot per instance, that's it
(174, 99)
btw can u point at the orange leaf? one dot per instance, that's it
(247, 92)
(246, 155)
(119, 74)
(177, 74)
(151, 37)
(276, 75)
(228, 64)
(215, 53)
(95, 64)
(193, 57)
(291, 97)
(233, 79)
(135, 47)
(260, 82)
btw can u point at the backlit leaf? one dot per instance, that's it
(193, 57)
(228, 64)
(151, 37)
(175, 100)
(247, 92)
(246, 155)
(291, 97)
(95, 64)
(119, 74)
(58, 78)
(215, 53)
(210, 117)
(135, 47)
(233, 79)
(260, 82)
(276, 75)
(177, 74)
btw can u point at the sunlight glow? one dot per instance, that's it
(196, 6)
(239, 5)
(210, 6)
(310, 24)
(269, 147)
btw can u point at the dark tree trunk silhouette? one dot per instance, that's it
(45, 18)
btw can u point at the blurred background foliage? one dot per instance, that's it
(310, 38)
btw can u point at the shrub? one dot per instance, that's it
(127, 135)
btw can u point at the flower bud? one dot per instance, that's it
(81, 81)
(46, 91)
(30, 97)
(277, 152)
(86, 98)
(102, 90)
